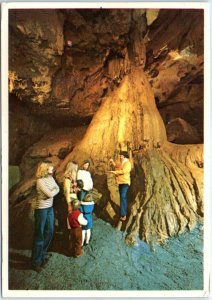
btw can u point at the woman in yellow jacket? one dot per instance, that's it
(122, 173)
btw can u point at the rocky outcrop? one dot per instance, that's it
(22, 224)
(181, 132)
(175, 65)
(36, 46)
(169, 199)
(23, 130)
(69, 83)
(54, 147)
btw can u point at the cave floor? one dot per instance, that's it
(109, 264)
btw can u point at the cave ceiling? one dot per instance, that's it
(66, 85)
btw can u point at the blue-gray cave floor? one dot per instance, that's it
(109, 264)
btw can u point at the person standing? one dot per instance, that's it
(122, 173)
(70, 183)
(85, 176)
(47, 188)
(75, 220)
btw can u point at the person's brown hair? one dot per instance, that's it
(86, 162)
(125, 154)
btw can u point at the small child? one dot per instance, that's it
(74, 221)
(87, 207)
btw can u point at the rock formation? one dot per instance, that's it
(122, 68)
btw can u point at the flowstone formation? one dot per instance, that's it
(121, 71)
(166, 177)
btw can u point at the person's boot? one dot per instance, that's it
(44, 263)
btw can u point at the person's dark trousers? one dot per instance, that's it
(123, 188)
(43, 233)
(81, 194)
(75, 242)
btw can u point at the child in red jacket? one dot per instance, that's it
(75, 220)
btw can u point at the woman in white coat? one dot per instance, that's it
(85, 176)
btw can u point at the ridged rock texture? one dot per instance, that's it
(132, 80)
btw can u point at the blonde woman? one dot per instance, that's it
(70, 184)
(47, 188)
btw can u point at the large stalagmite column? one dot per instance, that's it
(166, 193)
(127, 118)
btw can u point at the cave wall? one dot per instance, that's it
(25, 129)
(35, 48)
(175, 61)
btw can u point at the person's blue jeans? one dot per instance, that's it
(123, 188)
(44, 229)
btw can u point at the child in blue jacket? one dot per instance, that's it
(87, 207)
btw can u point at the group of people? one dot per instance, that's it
(80, 205)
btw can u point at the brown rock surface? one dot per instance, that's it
(180, 132)
(69, 82)
(54, 146)
(168, 199)
(36, 44)
(175, 65)
(24, 215)
(23, 130)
